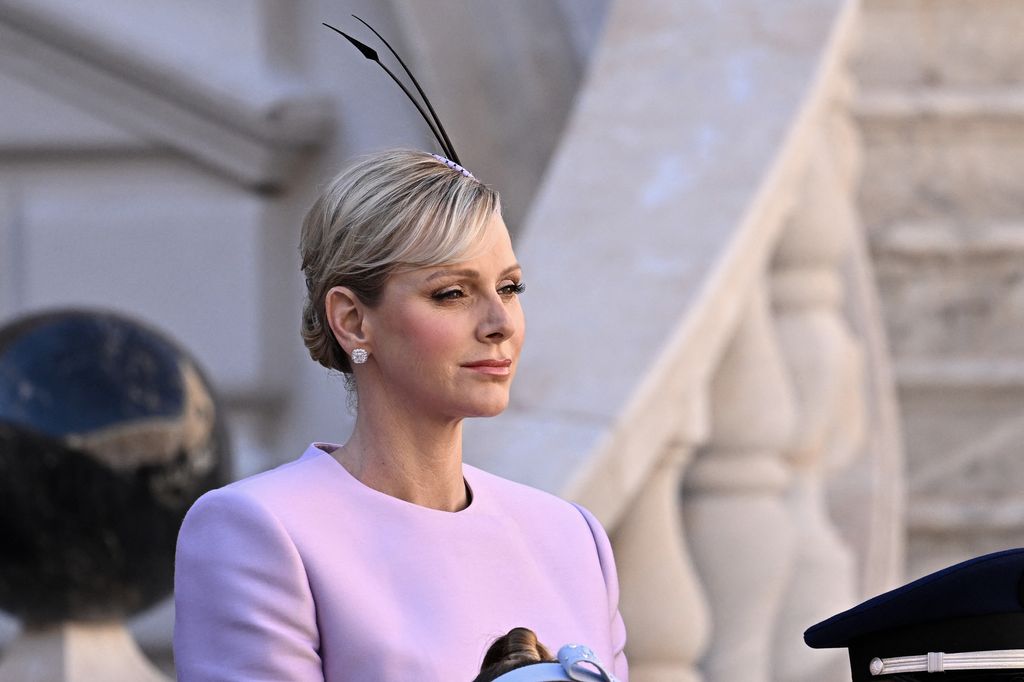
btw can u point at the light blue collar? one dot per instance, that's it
(573, 661)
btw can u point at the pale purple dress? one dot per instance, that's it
(303, 573)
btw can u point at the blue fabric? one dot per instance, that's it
(983, 586)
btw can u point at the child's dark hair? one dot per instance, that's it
(518, 648)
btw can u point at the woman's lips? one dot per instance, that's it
(493, 367)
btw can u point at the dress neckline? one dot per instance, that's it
(325, 450)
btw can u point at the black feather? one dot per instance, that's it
(448, 146)
(367, 51)
(372, 55)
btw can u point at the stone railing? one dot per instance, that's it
(705, 367)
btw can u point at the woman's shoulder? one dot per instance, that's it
(505, 491)
(534, 506)
(281, 488)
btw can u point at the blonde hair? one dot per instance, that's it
(388, 211)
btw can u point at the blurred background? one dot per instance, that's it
(775, 255)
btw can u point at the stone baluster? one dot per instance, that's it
(826, 369)
(867, 501)
(736, 517)
(662, 602)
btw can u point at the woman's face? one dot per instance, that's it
(446, 339)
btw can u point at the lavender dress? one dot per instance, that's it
(303, 573)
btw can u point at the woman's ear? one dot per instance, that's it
(345, 314)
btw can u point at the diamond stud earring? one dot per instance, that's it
(359, 355)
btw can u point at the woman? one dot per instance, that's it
(387, 558)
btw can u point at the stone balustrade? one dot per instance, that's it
(720, 394)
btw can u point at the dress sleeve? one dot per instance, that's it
(611, 581)
(243, 606)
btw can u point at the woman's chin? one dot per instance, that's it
(489, 408)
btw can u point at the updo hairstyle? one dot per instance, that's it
(390, 211)
(518, 648)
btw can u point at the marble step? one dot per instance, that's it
(968, 376)
(951, 290)
(943, 531)
(963, 426)
(942, 42)
(953, 516)
(963, 440)
(894, 105)
(952, 154)
(944, 239)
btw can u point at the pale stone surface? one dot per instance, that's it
(9, 629)
(921, 167)
(953, 291)
(966, 443)
(62, 128)
(585, 20)
(160, 258)
(868, 501)
(225, 36)
(825, 367)
(947, 42)
(661, 595)
(943, 114)
(741, 533)
(77, 652)
(944, 200)
(249, 129)
(929, 551)
(153, 631)
(542, 452)
(512, 66)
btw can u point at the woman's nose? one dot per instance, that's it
(498, 323)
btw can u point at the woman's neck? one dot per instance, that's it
(416, 460)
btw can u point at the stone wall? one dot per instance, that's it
(943, 198)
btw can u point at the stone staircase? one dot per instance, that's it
(941, 109)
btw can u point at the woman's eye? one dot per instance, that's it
(447, 295)
(513, 289)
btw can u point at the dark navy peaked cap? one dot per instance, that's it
(933, 624)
